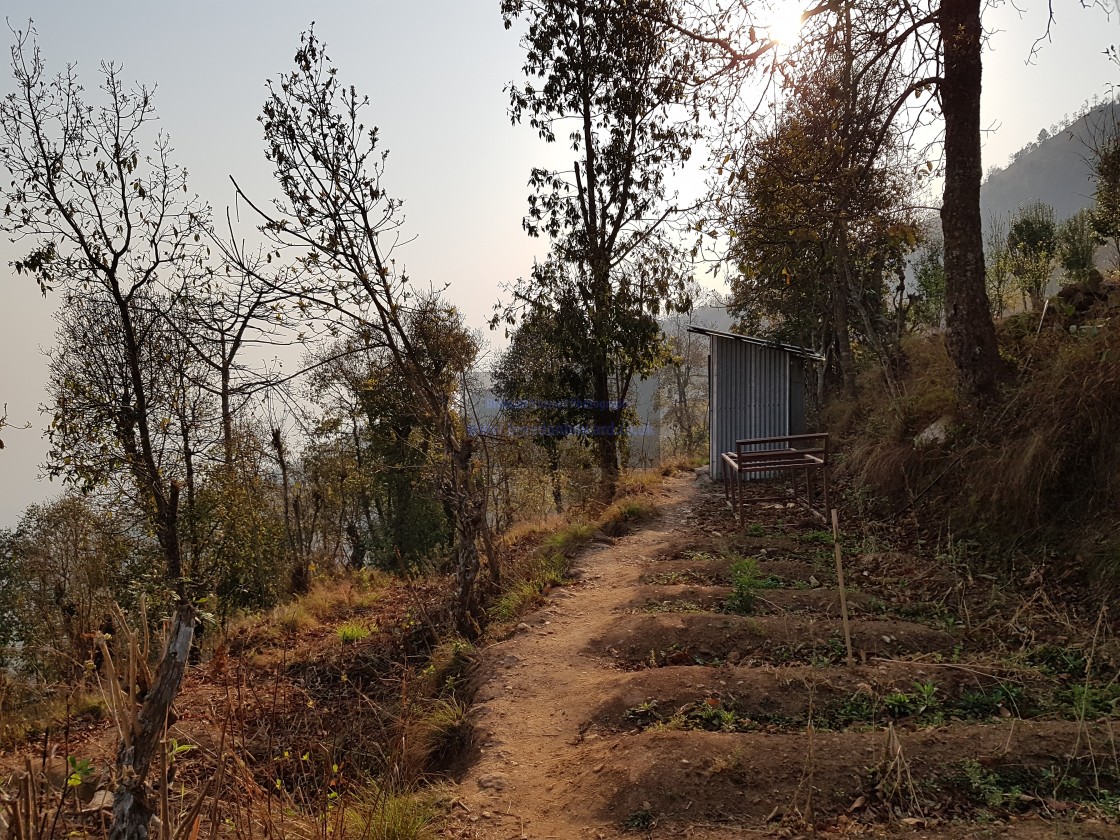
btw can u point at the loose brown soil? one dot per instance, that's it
(632, 704)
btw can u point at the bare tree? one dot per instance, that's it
(341, 228)
(107, 215)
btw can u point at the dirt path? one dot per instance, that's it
(631, 704)
(540, 772)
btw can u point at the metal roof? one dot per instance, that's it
(762, 342)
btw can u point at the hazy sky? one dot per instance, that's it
(434, 71)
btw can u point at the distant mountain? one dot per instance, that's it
(1056, 170)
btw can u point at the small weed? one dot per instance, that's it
(1058, 661)
(294, 617)
(983, 704)
(984, 787)
(924, 699)
(1089, 702)
(745, 579)
(711, 716)
(857, 708)
(816, 537)
(700, 556)
(671, 607)
(644, 714)
(949, 623)
(389, 816)
(756, 530)
(352, 632)
(640, 820)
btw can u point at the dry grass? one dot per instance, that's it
(539, 553)
(1040, 470)
(27, 709)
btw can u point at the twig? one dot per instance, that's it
(840, 583)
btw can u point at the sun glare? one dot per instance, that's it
(786, 26)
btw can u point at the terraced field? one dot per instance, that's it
(692, 682)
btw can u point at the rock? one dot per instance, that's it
(523, 627)
(494, 781)
(935, 434)
(100, 801)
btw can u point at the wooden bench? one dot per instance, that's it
(802, 457)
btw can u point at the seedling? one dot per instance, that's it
(640, 820)
(898, 704)
(925, 698)
(352, 632)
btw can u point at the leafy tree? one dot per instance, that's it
(1077, 242)
(997, 262)
(929, 277)
(70, 565)
(683, 390)
(107, 216)
(239, 509)
(934, 47)
(606, 71)
(819, 223)
(382, 445)
(1032, 244)
(1106, 212)
(539, 380)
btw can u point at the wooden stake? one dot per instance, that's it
(840, 582)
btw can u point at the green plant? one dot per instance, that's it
(744, 582)
(745, 579)
(644, 714)
(817, 537)
(898, 704)
(391, 816)
(352, 632)
(711, 715)
(856, 708)
(293, 617)
(983, 786)
(640, 820)
(924, 699)
(1089, 701)
(1058, 660)
(81, 769)
(756, 530)
(653, 606)
(435, 733)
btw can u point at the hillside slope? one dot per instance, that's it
(1057, 171)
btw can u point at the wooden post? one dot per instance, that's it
(840, 582)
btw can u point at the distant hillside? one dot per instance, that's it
(1057, 170)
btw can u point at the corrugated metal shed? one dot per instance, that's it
(756, 389)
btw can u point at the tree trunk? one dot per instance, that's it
(467, 519)
(556, 476)
(605, 432)
(970, 333)
(133, 803)
(843, 333)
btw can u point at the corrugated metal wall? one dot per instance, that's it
(749, 389)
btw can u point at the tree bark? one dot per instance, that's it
(133, 805)
(840, 325)
(970, 333)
